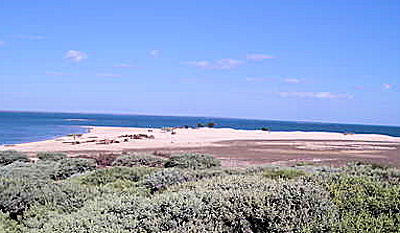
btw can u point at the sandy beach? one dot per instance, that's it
(234, 147)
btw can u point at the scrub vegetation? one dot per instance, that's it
(192, 193)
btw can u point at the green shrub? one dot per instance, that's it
(132, 160)
(166, 177)
(41, 170)
(47, 169)
(61, 198)
(51, 156)
(8, 225)
(304, 207)
(110, 175)
(71, 166)
(364, 202)
(382, 173)
(10, 156)
(284, 173)
(192, 161)
(19, 194)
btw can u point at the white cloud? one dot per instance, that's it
(318, 95)
(2, 42)
(29, 37)
(75, 55)
(387, 86)
(258, 57)
(200, 64)
(109, 75)
(57, 74)
(223, 64)
(155, 53)
(122, 66)
(291, 80)
(251, 79)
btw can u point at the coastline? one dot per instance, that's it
(233, 147)
(181, 137)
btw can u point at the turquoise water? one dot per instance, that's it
(19, 127)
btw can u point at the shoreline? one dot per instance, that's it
(237, 148)
(184, 137)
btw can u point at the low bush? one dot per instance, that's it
(304, 208)
(41, 170)
(132, 160)
(356, 198)
(51, 156)
(166, 177)
(366, 203)
(8, 225)
(61, 198)
(192, 161)
(47, 169)
(110, 175)
(71, 166)
(18, 195)
(376, 171)
(284, 173)
(102, 159)
(10, 156)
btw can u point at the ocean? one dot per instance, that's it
(20, 127)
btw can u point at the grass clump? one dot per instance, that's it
(10, 156)
(192, 161)
(133, 160)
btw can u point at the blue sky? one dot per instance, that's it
(330, 61)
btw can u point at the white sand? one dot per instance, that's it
(187, 138)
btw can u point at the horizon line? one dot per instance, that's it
(215, 117)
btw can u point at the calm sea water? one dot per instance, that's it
(19, 127)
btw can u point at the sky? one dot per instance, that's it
(325, 61)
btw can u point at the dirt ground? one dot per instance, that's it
(242, 153)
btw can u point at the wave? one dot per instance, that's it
(77, 119)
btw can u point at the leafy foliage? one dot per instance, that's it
(192, 161)
(284, 173)
(366, 204)
(72, 166)
(10, 156)
(110, 175)
(167, 177)
(196, 195)
(132, 160)
(51, 156)
(8, 225)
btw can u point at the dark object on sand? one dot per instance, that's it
(210, 124)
